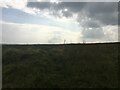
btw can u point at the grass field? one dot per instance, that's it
(60, 66)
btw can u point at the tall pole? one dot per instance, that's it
(83, 41)
(64, 41)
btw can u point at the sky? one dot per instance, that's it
(53, 21)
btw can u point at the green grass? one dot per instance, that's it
(60, 66)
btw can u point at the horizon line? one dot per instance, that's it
(57, 43)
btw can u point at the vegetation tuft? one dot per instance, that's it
(60, 66)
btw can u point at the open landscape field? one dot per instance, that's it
(60, 66)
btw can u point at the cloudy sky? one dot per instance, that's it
(53, 21)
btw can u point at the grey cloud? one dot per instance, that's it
(76, 0)
(90, 15)
(101, 7)
(40, 5)
(107, 19)
(67, 13)
(73, 7)
(105, 12)
(91, 24)
(94, 33)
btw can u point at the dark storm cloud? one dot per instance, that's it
(73, 7)
(105, 12)
(108, 19)
(119, 14)
(101, 7)
(40, 5)
(91, 24)
(67, 13)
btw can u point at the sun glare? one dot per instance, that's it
(55, 1)
(66, 9)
